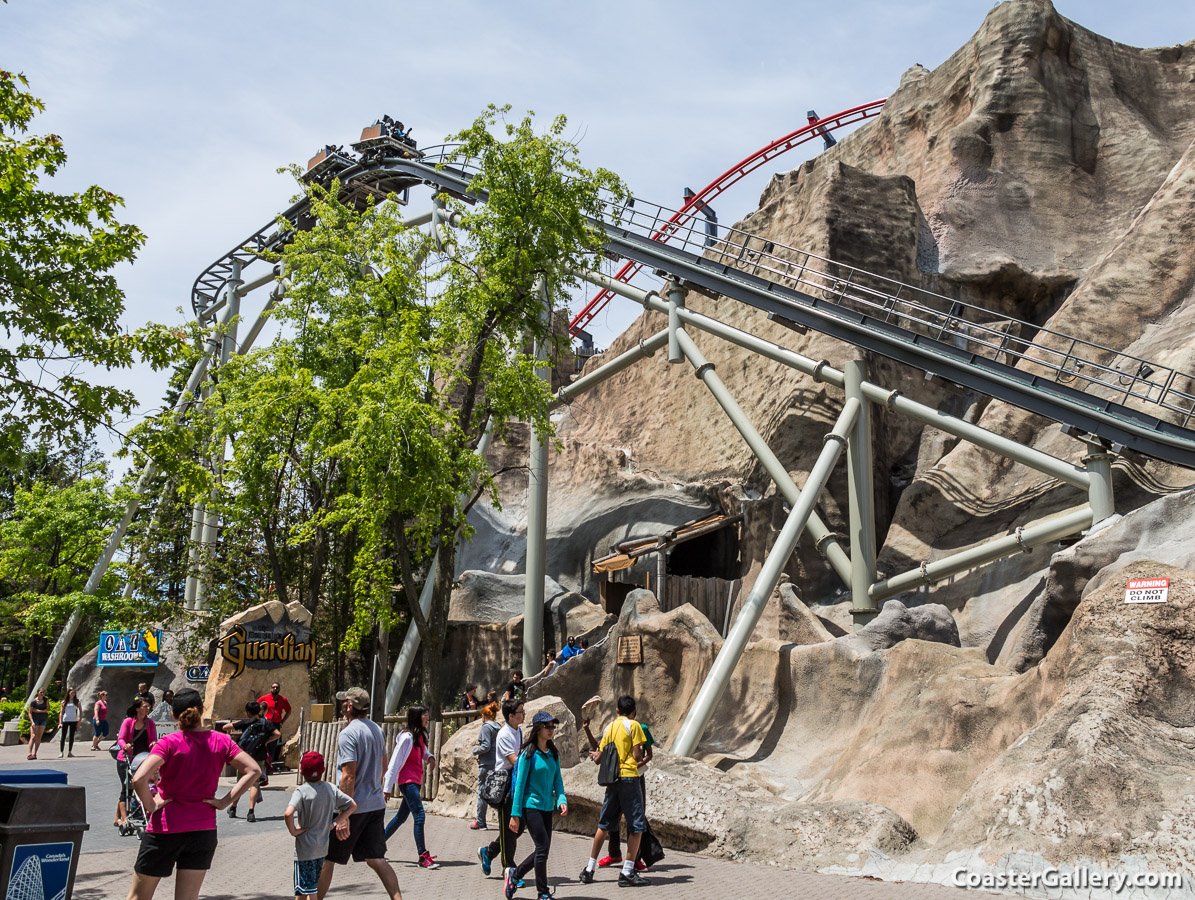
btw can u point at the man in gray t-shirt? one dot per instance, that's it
(360, 755)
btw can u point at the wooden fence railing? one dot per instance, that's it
(322, 736)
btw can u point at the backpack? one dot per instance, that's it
(253, 739)
(610, 763)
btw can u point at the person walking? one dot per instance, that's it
(256, 734)
(486, 753)
(407, 762)
(507, 744)
(137, 735)
(623, 797)
(69, 715)
(360, 753)
(537, 792)
(316, 803)
(99, 719)
(181, 831)
(38, 711)
(277, 710)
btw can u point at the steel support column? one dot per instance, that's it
(861, 496)
(728, 657)
(211, 517)
(676, 299)
(825, 539)
(625, 360)
(1099, 466)
(537, 514)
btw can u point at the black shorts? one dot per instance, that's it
(160, 853)
(366, 840)
(623, 798)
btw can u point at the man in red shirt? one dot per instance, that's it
(276, 709)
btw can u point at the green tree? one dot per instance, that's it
(49, 541)
(388, 368)
(60, 305)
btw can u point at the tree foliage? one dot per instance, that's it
(60, 304)
(354, 433)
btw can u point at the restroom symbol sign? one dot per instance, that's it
(1147, 590)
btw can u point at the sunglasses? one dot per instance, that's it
(549, 727)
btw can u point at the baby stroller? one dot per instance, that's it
(136, 817)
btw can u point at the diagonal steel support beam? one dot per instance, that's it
(728, 657)
(826, 542)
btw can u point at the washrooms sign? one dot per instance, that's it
(40, 871)
(129, 648)
(1147, 590)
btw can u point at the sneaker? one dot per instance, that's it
(483, 853)
(232, 811)
(250, 817)
(632, 880)
(427, 861)
(586, 876)
(609, 861)
(478, 825)
(60, 755)
(71, 754)
(640, 866)
(511, 882)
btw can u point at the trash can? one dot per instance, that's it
(41, 833)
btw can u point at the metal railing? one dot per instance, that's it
(1110, 374)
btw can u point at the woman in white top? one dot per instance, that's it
(68, 721)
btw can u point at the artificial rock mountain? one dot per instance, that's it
(1045, 173)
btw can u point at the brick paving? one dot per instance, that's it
(256, 860)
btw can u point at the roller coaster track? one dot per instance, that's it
(694, 204)
(1126, 401)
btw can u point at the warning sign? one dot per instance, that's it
(1147, 590)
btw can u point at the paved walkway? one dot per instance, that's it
(255, 860)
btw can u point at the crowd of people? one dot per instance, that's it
(174, 780)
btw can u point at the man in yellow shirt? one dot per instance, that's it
(623, 798)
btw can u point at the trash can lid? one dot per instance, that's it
(31, 776)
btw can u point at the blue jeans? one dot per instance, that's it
(412, 805)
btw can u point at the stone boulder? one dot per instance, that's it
(896, 623)
(1163, 531)
(231, 684)
(487, 598)
(786, 618)
(1105, 774)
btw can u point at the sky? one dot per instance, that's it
(188, 110)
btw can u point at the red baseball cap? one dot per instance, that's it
(311, 765)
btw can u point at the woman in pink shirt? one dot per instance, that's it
(406, 768)
(136, 736)
(182, 824)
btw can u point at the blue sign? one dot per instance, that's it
(129, 648)
(40, 871)
(198, 674)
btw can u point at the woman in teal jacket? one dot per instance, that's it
(538, 790)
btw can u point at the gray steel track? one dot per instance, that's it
(964, 344)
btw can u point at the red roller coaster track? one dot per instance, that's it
(693, 205)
